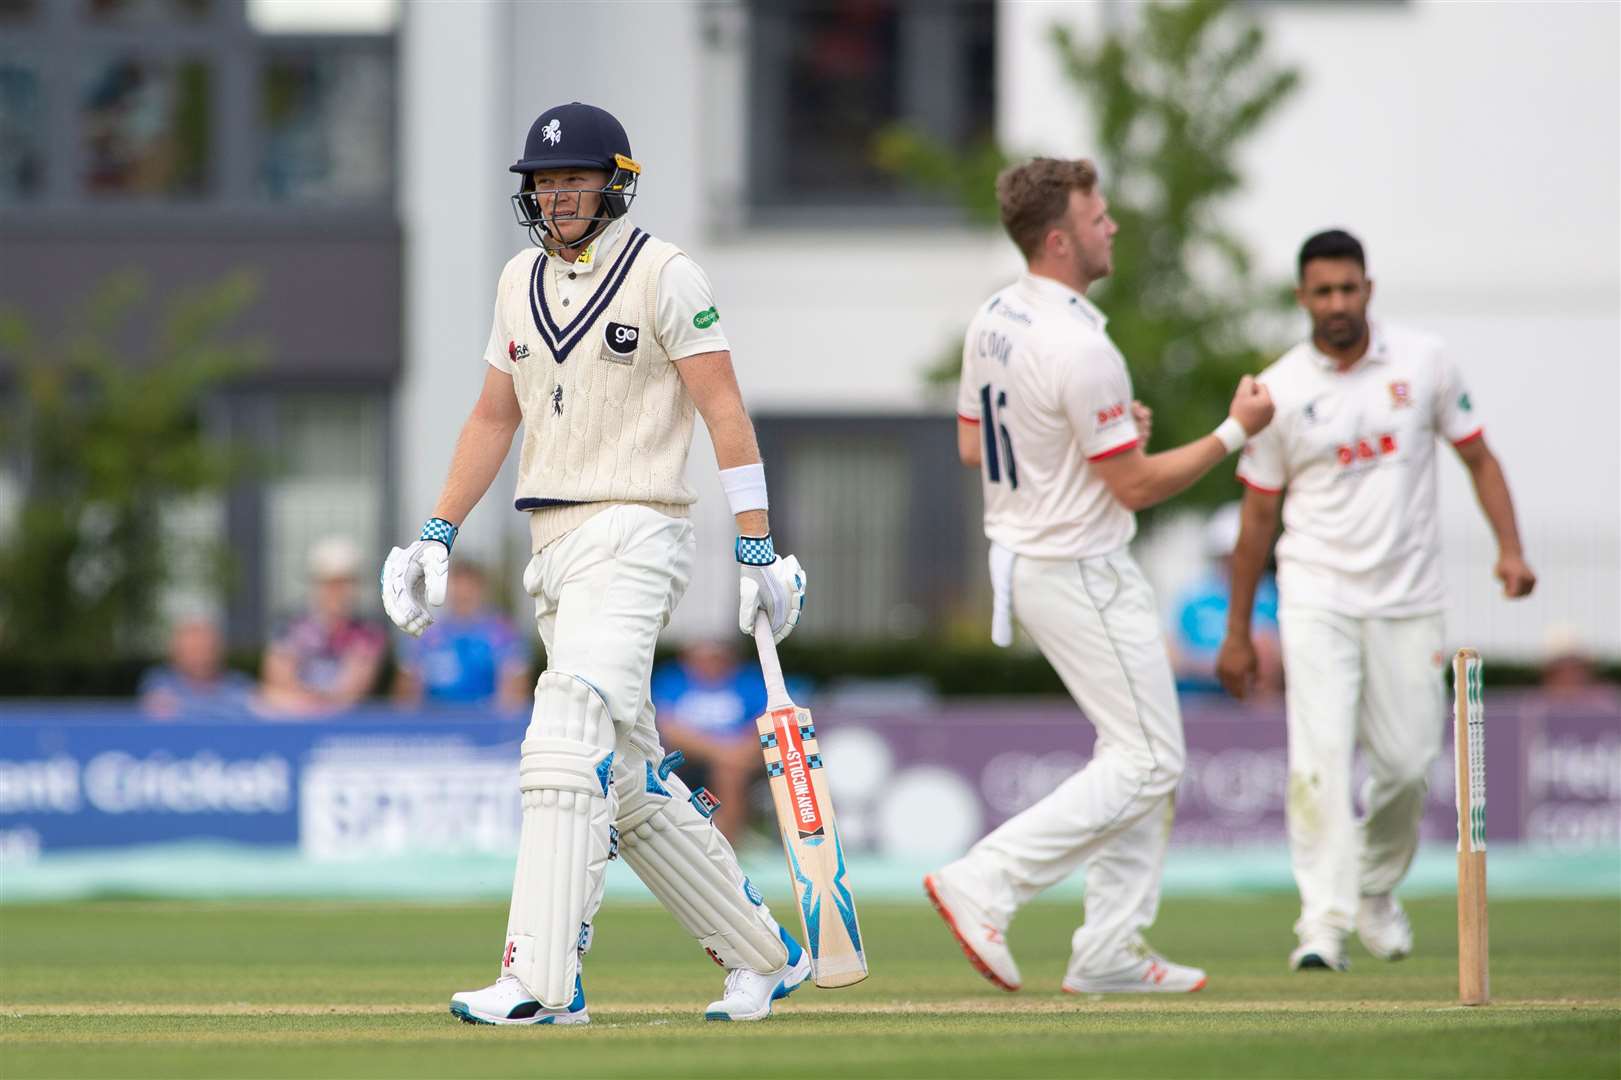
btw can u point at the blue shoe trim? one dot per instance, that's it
(794, 949)
(546, 1020)
(465, 1015)
(717, 1016)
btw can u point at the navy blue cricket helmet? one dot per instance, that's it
(575, 135)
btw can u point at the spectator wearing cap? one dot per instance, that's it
(1570, 678)
(471, 655)
(195, 684)
(329, 658)
(1201, 615)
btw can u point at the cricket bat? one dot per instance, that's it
(810, 835)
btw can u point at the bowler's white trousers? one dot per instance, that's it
(1097, 623)
(1377, 682)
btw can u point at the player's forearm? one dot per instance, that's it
(1491, 488)
(480, 451)
(1249, 562)
(732, 432)
(1173, 472)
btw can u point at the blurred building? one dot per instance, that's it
(356, 153)
(187, 139)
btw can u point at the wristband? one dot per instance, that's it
(1232, 434)
(756, 550)
(745, 487)
(441, 530)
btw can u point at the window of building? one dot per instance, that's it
(829, 75)
(327, 118)
(328, 481)
(22, 133)
(145, 126)
(143, 12)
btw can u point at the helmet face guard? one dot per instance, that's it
(574, 136)
(614, 199)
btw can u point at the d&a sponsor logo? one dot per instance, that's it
(516, 352)
(1365, 450)
(796, 770)
(1111, 414)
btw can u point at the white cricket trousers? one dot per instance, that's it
(1097, 623)
(1373, 682)
(603, 593)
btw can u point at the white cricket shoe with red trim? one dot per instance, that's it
(984, 943)
(1153, 974)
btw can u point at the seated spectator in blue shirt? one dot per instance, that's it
(707, 702)
(1201, 619)
(471, 655)
(329, 659)
(195, 684)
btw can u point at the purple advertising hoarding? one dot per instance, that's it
(934, 781)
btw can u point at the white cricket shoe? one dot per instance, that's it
(1151, 974)
(1383, 927)
(982, 941)
(507, 1002)
(749, 994)
(1319, 954)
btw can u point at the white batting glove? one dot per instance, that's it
(415, 578)
(767, 583)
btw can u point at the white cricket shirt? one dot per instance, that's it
(1353, 453)
(1050, 394)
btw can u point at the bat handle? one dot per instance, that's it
(776, 689)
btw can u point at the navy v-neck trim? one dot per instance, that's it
(562, 340)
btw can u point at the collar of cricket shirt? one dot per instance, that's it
(1378, 352)
(1058, 292)
(597, 253)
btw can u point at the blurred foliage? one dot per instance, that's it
(1173, 93)
(105, 439)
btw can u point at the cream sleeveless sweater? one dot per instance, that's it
(606, 418)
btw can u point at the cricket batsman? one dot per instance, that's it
(605, 340)
(1045, 411)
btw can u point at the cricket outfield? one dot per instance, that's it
(138, 989)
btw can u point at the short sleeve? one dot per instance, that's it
(688, 320)
(967, 391)
(1454, 411)
(498, 350)
(1261, 463)
(1096, 395)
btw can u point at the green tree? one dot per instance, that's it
(1173, 93)
(105, 436)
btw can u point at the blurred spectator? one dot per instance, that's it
(195, 684)
(328, 659)
(471, 655)
(707, 702)
(1569, 674)
(1201, 619)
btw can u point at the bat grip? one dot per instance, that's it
(776, 689)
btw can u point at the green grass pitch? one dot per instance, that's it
(138, 989)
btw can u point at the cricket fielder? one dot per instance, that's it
(604, 342)
(1351, 460)
(1045, 411)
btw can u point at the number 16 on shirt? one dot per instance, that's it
(810, 835)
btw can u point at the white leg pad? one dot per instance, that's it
(568, 806)
(687, 864)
